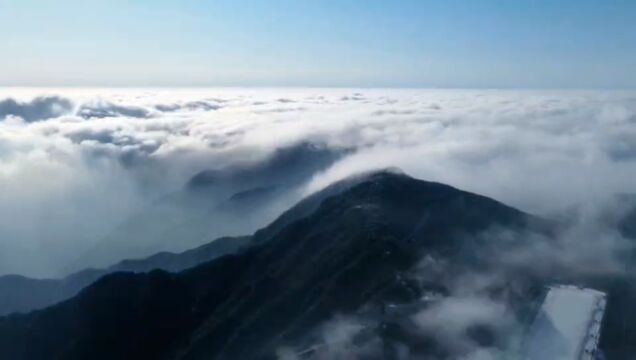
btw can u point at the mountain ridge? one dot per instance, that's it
(333, 260)
(24, 294)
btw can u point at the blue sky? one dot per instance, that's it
(361, 43)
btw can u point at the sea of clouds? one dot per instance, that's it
(75, 163)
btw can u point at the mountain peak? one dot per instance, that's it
(334, 252)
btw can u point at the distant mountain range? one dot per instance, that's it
(350, 247)
(22, 294)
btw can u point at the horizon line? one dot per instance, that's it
(334, 87)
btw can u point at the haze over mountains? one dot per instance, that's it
(110, 154)
(104, 187)
(233, 200)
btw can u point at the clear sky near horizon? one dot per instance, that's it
(357, 43)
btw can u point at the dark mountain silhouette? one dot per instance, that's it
(288, 165)
(332, 253)
(22, 294)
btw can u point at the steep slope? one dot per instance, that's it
(335, 259)
(22, 294)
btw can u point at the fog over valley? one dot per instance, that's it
(78, 163)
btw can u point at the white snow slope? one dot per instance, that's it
(567, 326)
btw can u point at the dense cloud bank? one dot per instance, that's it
(76, 163)
(40, 108)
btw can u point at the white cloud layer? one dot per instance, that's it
(74, 163)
